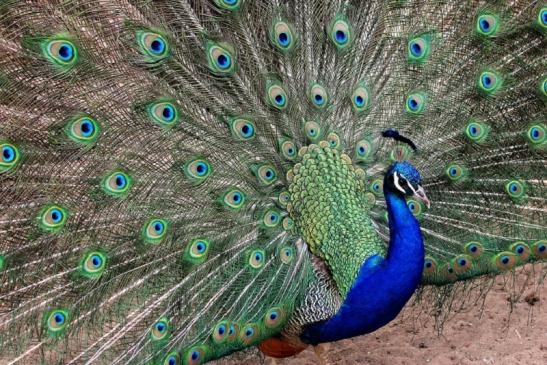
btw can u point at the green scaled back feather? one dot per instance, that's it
(172, 172)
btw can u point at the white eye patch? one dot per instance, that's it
(396, 181)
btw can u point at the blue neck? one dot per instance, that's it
(383, 286)
(406, 245)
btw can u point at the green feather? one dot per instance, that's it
(10, 158)
(154, 231)
(221, 58)
(83, 130)
(196, 251)
(93, 264)
(282, 36)
(60, 51)
(340, 32)
(183, 180)
(153, 45)
(52, 218)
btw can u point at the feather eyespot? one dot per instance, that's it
(340, 32)
(318, 96)
(370, 198)
(312, 130)
(453, 172)
(93, 264)
(231, 5)
(456, 172)
(448, 272)
(53, 218)
(153, 45)
(360, 98)
(415, 103)
(242, 129)
(476, 131)
(542, 17)
(197, 170)
(154, 231)
(164, 113)
(430, 265)
(274, 317)
(540, 22)
(265, 174)
(284, 198)
(539, 249)
(288, 224)
(363, 150)
(505, 261)
(522, 250)
(282, 36)
(61, 52)
(10, 156)
(249, 333)
(487, 24)
(234, 199)
(271, 218)
(333, 140)
(377, 187)
(286, 254)
(416, 207)
(288, 149)
(221, 58)
(542, 88)
(160, 330)
(418, 49)
(56, 321)
(117, 184)
(257, 259)
(197, 250)
(172, 358)
(516, 189)
(462, 264)
(489, 83)
(536, 134)
(233, 331)
(83, 130)
(474, 249)
(221, 332)
(277, 95)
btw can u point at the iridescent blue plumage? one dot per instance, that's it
(383, 285)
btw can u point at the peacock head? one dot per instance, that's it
(402, 177)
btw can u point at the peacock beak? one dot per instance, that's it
(420, 195)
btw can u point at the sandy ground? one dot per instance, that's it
(491, 334)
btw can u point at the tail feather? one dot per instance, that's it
(145, 148)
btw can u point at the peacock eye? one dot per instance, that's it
(230, 5)
(61, 51)
(487, 24)
(221, 58)
(153, 45)
(282, 36)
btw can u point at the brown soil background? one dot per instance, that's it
(489, 334)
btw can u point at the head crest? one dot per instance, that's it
(392, 133)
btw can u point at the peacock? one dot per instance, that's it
(184, 179)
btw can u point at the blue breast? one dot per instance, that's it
(383, 286)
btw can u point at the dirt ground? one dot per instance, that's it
(498, 337)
